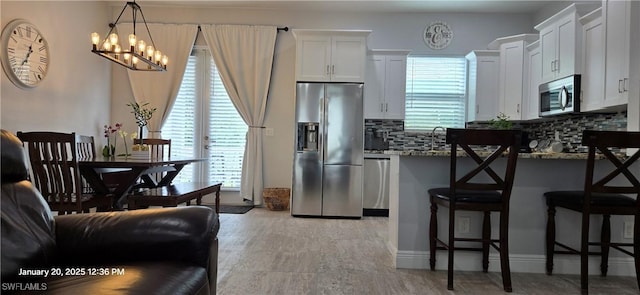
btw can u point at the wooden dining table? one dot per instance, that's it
(130, 170)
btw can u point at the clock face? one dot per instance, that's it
(25, 54)
(438, 35)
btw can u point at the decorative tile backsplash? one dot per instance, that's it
(569, 128)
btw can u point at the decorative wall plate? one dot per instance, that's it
(437, 35)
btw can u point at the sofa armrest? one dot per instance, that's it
(182, 234)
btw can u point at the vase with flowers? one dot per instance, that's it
(142, 114)
(109, 150)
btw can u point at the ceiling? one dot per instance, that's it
(477, 6)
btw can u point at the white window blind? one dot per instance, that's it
(204, 123)
(436, 88)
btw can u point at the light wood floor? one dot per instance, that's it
(270, 252)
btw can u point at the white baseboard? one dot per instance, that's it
(471, 261)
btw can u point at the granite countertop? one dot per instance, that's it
(447, 153)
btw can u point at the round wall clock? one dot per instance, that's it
(25, 54)
(438, 35)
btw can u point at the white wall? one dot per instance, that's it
(75, 95)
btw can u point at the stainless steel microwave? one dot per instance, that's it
(561, 96)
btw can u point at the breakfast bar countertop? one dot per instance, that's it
(447, 153)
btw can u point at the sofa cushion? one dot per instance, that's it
(28, 237)
(141, 278)
(14, 162)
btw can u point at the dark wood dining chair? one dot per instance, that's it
(54, 163)
(608, 195)
(86, 148)
(471, 190)
(159, 149)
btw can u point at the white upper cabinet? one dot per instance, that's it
(617, 23)
(385, 84)
(330, 56)
(482, 95)
(593, 51)
(513, 73)
(533, 66)
(560, 36)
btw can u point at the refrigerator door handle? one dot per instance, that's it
(323, 123)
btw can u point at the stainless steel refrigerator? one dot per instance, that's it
(329, 153)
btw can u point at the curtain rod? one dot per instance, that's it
(286, 29)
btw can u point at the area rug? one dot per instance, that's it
(229, 209)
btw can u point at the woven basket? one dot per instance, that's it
(276, 199)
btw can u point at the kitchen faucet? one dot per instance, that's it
(433, 135)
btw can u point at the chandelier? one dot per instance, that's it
(139, 55)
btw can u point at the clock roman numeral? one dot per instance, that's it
(11, 50)
(13, 61)
(36, 77)
(28, 32)
(19, 32)
(42, 48)
(43, 60)
(41, 69)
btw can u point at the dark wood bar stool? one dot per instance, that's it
(466, 192)
(601, 196)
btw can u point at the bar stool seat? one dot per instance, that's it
(574, 199)
(470, 196)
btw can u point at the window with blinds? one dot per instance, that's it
(204, 123)
(436, 88)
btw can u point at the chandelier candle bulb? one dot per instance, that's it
(113, 38)
(150, 51)
(95, 39)
(142, 46)
(132, 41)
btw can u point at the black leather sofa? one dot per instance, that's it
(152, 251)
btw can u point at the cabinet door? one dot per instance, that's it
(566, 47)
(531, 101)
(512, 64)
(374, 87)
(395, 87)
(348, 57)
(617, 26)
(548, 37)
(483, 88)
(592, 83)
(314, 58)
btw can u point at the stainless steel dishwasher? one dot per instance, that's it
(375, 200)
